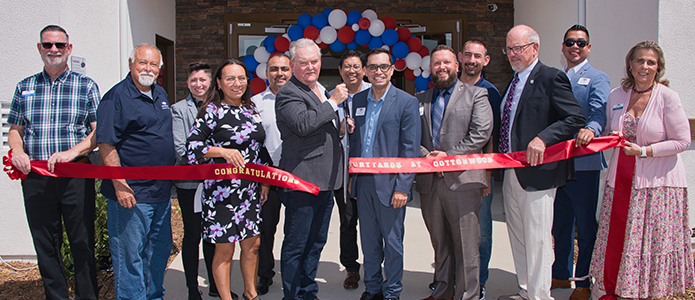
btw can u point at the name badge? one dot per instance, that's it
(256, 118)
(165, 105)
(584, 81)
(618, 106)
(28, 93)
(360, 111)
(422, 110)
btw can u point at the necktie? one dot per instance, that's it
(437, 117)
(506, 117)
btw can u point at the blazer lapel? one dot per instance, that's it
(528, 89)
(453, 101)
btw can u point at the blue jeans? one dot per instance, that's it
(306, 230)
(140, 240)
(485, 219)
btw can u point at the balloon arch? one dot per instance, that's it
(339, 30)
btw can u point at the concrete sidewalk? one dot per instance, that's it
(418, 258)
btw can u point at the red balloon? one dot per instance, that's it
(275, 52)
(414, 43)
(364, 23)
(323, 45)
(431, 84)
(400, 64)
(282, 44)
(346, 34)
(409, 74)
(403, 34)
(389, 22)
(424, 51)
(257, 85)
(311, 33)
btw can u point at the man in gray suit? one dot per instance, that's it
(456, 119)
(308, 122)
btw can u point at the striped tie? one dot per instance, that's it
(437, 116)
(507, 116)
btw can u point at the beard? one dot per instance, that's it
(444, 84)
(146, 78)
(56, 60)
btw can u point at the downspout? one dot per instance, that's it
(123, 40)
(581, 10)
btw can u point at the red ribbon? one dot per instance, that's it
(557, 152)
(11, 170)
(259, 173)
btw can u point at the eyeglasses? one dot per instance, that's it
(276, 68)
(355, 67)
(50, 45)
(571, 42)
(516, 49)
(240, 79)
(373, 67)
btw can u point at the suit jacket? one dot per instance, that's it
(397, 135)
(591, 88)
(183, 116)
(466, 128)
(547, 109)
(310, 140)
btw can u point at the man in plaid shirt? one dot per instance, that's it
(53, 117)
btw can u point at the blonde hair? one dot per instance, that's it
(628, 81)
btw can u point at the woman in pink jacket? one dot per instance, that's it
(651, 257)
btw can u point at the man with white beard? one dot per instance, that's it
(135, 129)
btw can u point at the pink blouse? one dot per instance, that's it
(663, 125)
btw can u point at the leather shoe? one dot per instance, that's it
(369, 296)
(263, 285)
(511, 297)
(351, 280)
(433, 298)
(581, 293)
(560, 284)
(215, 294)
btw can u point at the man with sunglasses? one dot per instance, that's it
(53, 118)
(576, 201)
(387, 124)
(538, 110)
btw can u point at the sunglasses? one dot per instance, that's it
(580, 43)
(50, 45)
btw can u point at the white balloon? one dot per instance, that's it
(413, 61)
(385, 47)
(261, 55)
(425, 74)
(369, 14)
(287, 36)
(355, 27)
(376, 28)
(260, 71)
(328, 34)
(337, 18)
(318, 40)
(425, 63)
(417, 72)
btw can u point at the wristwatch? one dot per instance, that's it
(643, 153)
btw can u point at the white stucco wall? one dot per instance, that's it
(96, 34)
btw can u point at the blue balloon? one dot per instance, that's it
(251, 76)
(319, 21)
(326, 12)
(422, 83)
(269, 43)
(400, 50)
(304, 20)
(390, 37)
(250, 62)
(362, 37)
(353, 17)
(393, 59)
(295, 32)
(375, 42)
(352, 45)
(338, 46)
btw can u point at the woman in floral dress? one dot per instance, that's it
(656, 256)
(228, 129)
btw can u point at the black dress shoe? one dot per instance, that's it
(351, 281)
(215, 294)
(369, 296)
(263, 285)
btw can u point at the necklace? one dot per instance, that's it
(644, 91)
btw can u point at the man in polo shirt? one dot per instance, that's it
(135, 129)
(52, 117)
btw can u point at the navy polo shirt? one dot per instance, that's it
(140, 129)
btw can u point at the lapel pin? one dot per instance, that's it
(531, 81)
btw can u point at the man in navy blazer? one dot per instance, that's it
(576, 201)
(538, 110)
(387, 124)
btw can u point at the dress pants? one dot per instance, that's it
(452, 221)
(575, 203)
(192, 229)
(46, 200)
(485, 218)
(529, 223)
(381, 232)
(270, 213)
(347, 208)
(306, 230)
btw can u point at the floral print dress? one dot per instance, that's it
(231, 207)
(657, 260)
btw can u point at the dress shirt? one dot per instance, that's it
(574, 69)
(372, 118)
(341, 113)
(436, 94)
(265, 105)
(523, 76)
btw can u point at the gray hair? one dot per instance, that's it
(132, 53)
(301, 43)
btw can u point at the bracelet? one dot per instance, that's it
(643, 153)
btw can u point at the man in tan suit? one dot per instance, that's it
(456, 119)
